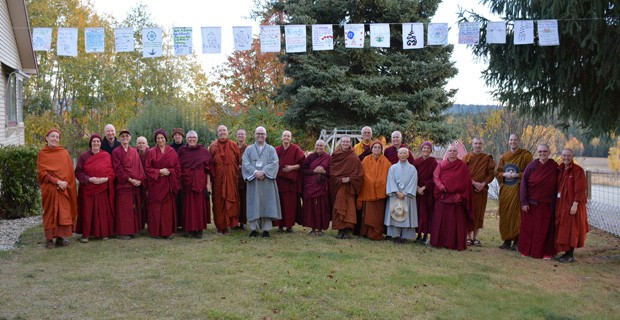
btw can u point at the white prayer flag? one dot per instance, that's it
(211, 39)
(437, 34)
(242, 38)
(94, 40)
(469, 32)
(124, 40)
(295, 36)
(413, 35)
(270, 40)
(523, 32)
(496, 32)
(182, 39)
(41, 39)
(66, 44)
(548, 33)
(151, 42)
(353, 35)
(322, 37)
(380, 35)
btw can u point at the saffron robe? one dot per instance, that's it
(95, 201)
(538, 191)
(196, 167)
(60, 208)
(344, 164)
(225, 194)
(391, 153)
(571, 229)
(162, 190)
(482, 169)
(262, 195)
(243, 218)
(402, 177)
(289, 184)
(372, 196)
(509, 206)
(425, 202)
(317, 214)
(454, 208)
(362, 149)
(129, 205)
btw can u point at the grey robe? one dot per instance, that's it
(262, 195)
(403, 178)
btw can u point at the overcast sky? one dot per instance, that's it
(228, 13)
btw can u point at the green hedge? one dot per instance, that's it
(19, 190)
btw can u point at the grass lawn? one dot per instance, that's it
(295, 276)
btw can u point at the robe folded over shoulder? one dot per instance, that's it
(317, 214)
(95, 201)
(482, 169)
(262, 195)
(426, 201)
(290, 184)
(196, 167)
(538, 190)
(402, 177)
(391, 153)
(162, 190)
(454, 208)
(363, 149)
(571, 229)
(129, 204)
(509, 204)
(60, 208)
(225, 195)
(372, 195)
(344, 164)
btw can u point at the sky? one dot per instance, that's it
(229, 13)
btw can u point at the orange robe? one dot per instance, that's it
(482, 169)
(225, 182)
(509, 204)
(372, 196)
(60, 208)
(344, 164)
(571, 229)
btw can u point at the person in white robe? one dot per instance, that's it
(401, 213)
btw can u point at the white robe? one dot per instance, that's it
(402, 177)
(262, 195)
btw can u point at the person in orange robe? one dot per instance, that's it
(345, 180)
(289, 181)
(571, 218)
(454, 208)
(482, 170)
(373, 197)
(96, 193)
(425, 199)
(362, 149)
(58, 193)
(537, 195)
(163, 170)
(391, 152)
(509, 173)
(225, 181)
(243, 210)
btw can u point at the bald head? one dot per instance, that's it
(260, 135)
(222, 132)
(514, 142)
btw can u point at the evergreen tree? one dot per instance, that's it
(385, 88)
(578, 80)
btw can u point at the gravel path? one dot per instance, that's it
(10, 230)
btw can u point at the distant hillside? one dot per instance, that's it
(458, 109)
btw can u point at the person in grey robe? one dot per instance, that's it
(259, 167)
(401, 213)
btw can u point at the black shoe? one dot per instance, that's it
(289, 230)
(124, 237)
(253, 234)
(515, 246)
(339, 235)
(198, 234)
(170, 237)
(62, 242)
(280, 230)
(505, 245)
(265, 234)
(566, 259)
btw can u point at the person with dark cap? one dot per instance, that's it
(177, 143)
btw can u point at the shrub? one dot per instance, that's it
(19, 190)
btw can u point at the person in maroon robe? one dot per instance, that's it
(142, 145)
(196, 168)
(538, 194)
(96, 192)
(163, 171)
(315, 171)
(289, 182)
(454, 205)
(243, 214)
(425, 199)
(391, 152)
(129, 178)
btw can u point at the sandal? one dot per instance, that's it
(476, 243)
(470, 242)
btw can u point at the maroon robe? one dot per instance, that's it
(196, 166)
(289, 185)
(243, 214)
(95, 201)
(316, 209)
(454, 205)
(391, 153)
(162, 190)
(426, 202)
(538, 190)
(143, 201)
(128, 204)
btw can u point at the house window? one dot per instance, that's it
(13, 100)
